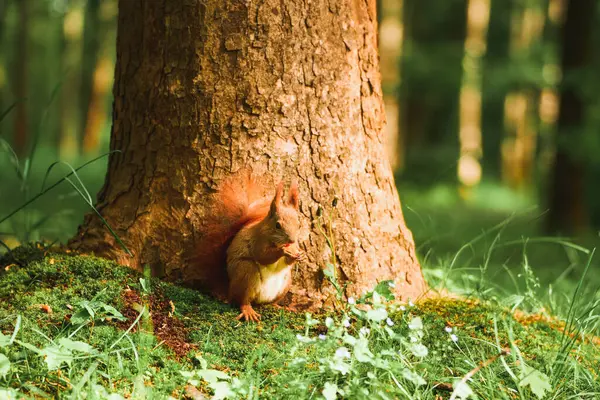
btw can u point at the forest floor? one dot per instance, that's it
(83, 327)
(522, 324)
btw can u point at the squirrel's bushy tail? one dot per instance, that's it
(238, 201)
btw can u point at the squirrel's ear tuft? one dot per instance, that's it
(294, 196)
(277, 199)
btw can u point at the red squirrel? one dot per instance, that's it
(250, 243)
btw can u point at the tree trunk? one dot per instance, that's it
(3, 79)
(89, 61)
(97, 110)
(432, 53)
(390, 44)
(567, 211)
(469, 132)
(520, 105)
(59, 66)
(71, 50)
(493, 93)
(204, 88)
(20, 84)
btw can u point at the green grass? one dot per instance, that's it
(493, 246)
(54, 216)
(392, 352)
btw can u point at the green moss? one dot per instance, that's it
(257, 352)
(60, 282)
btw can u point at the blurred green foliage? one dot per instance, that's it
(431, 74)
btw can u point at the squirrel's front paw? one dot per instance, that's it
(301, 256)
(293, 257)
(293, 253)
(248, 313)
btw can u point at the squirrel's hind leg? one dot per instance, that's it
(244, 281)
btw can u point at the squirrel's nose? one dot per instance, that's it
(289, 242)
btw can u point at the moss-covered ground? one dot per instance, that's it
(78, 327)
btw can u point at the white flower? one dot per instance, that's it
(364, 330)
(411, 304)
(415, 324)
(392, 284)
(346, 323)
(419, 350)
(342, 352)
(328, 322)
(448, 329)
(389, 322)
(351, 300)
(322, 337)
(303, 339)
(413, 339)
(454, 338)
(403, 308)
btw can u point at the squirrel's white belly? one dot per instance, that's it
(274, 281)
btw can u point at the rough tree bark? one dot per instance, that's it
(567, 209)
(292, 89)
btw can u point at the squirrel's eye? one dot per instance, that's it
(278, 225)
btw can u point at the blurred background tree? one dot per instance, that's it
(56, 64)
(492, 109)
(479, 84)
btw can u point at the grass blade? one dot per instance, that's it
(86, 196)
(16, 330)
(569, 335)
(38, 131)
(84, 379)
(8, 110)
(141, 314)
(43, 192)
(547, 239)
(14, 159)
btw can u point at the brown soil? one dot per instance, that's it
(169, 330)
